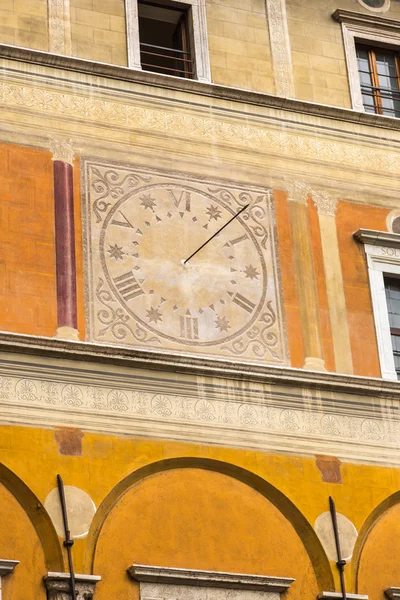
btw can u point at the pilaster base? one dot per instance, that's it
(67, 333)
(312, 363)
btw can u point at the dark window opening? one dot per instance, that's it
(165, 38)
(392, 288)
(379, 71)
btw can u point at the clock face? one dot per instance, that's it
(213, 297)
(164, 273)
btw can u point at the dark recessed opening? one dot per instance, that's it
(164, 38)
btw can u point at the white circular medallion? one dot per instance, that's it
(80, 511)
(347, 535)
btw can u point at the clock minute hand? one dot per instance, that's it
(216, 233)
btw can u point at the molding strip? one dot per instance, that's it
(231, 94)
(156, 360)
(378, 238)
(215, 579)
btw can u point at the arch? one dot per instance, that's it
(367, 527)
(302, 527)
(38, 517)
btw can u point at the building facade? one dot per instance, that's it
(200, 298)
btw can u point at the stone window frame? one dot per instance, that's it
(382, 250)
(200, 37)
(357, 27)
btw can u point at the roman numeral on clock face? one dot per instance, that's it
(127, 286)
(184, 198)
(237, 240)
(244, 303)
(189, 328)
(122, 222)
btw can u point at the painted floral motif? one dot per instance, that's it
(72, 395)
(162, 405)
(118, 400)
(26, 391)
(205, 410)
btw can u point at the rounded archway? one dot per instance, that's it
(203, 514)
(27, 535)
(378, 548)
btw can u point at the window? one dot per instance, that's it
(168, 37)
(382, 250)
(379, 71)
(165, 39)
(373, 69)
(392, 289)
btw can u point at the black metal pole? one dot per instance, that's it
(341, 563)
(68, 543)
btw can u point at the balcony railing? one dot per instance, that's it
(179, 62)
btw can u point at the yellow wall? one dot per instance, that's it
(197, 519)
(200, 507)
(20, 541)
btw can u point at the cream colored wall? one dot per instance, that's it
(98, 30)
(239, 46)
(238, 36)
(24, 23)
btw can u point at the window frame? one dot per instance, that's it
(201, 59)
(382, 250)
(377, 90)
(368, 30)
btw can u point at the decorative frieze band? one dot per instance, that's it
(258, 416)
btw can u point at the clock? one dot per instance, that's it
(181, 264)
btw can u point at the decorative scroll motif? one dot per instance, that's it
(183, 125)
(280, 48)
(225, 302)
(62, 149)
(59, 27)
(325, 202)
(116, 321)
(263, 415)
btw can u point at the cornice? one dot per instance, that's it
(372, 20)
(215, 579)
(53, 348)
(7, 566)
(378, 238)
(211, 90)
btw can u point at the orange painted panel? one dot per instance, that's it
(290, 297)
(19, 541)
(198, 519)
(349, 218)
(27, 251)
(319, 270)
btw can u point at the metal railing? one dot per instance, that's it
(183, 66)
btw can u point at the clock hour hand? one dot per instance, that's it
(216, 233)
